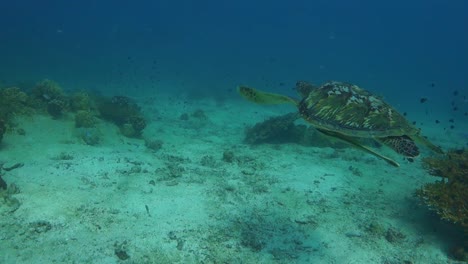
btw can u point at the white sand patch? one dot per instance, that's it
(185, 204)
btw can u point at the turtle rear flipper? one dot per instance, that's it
(406, 146)
(402, 145)
(261, 97)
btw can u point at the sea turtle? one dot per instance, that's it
(348, 112)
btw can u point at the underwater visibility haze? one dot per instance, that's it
(234, 131)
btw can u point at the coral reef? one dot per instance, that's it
(48, 95)
(118, 109)
(282, 129)
(85, 119)
(13, 102)
(81, 101)
(138, 123)
(124, 113)
(279, 129)
(128, 130)
(448, 197)
(47, 90)
(56, 107)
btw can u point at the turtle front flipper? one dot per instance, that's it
(261, 97)
(357, 144)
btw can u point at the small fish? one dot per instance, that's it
(455, 93)
(147, 210)
(437, 121)
(423, 100)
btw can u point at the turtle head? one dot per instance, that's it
(304, 88)
(250, 94)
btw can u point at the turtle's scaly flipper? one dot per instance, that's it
(261, 97)
(403, 145)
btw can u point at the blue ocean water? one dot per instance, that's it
(397, 49)
(412, 53)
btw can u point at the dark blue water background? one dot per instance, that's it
(402, 50)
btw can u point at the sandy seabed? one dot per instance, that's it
(120, 202)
